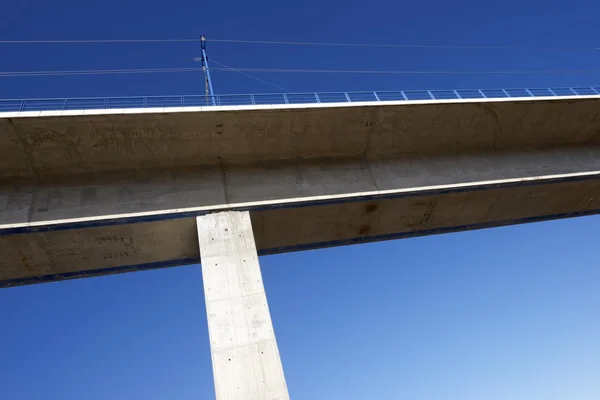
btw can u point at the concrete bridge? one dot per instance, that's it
(98, 191)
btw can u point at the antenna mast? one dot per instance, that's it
(207, 82)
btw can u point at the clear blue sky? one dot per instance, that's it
(501, 314)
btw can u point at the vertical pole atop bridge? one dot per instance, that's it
(245, 357)
(207, 80)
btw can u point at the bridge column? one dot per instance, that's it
(245, 357)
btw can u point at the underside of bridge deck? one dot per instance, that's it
(92, 193)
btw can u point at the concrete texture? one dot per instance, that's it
(62, 146)
(90, 194)
(244, 353)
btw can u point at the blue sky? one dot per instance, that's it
(508, 313)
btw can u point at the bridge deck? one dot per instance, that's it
(91, 192)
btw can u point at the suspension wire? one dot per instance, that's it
(299, 43)
(251, 76)
(284, 70)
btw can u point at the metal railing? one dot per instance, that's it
(89, 103)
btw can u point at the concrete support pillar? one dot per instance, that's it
(245, 357)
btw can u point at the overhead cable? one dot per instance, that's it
(413, 72)
(98, 72)
(98, 41)
(250, 76)
(285, 70)
(302, 43)
(414, 46)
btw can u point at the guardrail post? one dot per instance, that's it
(457, 94)
(347, 97)
(317, 98)
(23, 105)
(64, 107)
(105, 102)
(376, 97)
(431, 95)
(481, 93)
(252, 99)
(529, 92)
(285, 98)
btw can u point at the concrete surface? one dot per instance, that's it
(91, 193)
(244, 352)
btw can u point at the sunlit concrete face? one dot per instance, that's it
(99, 192)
